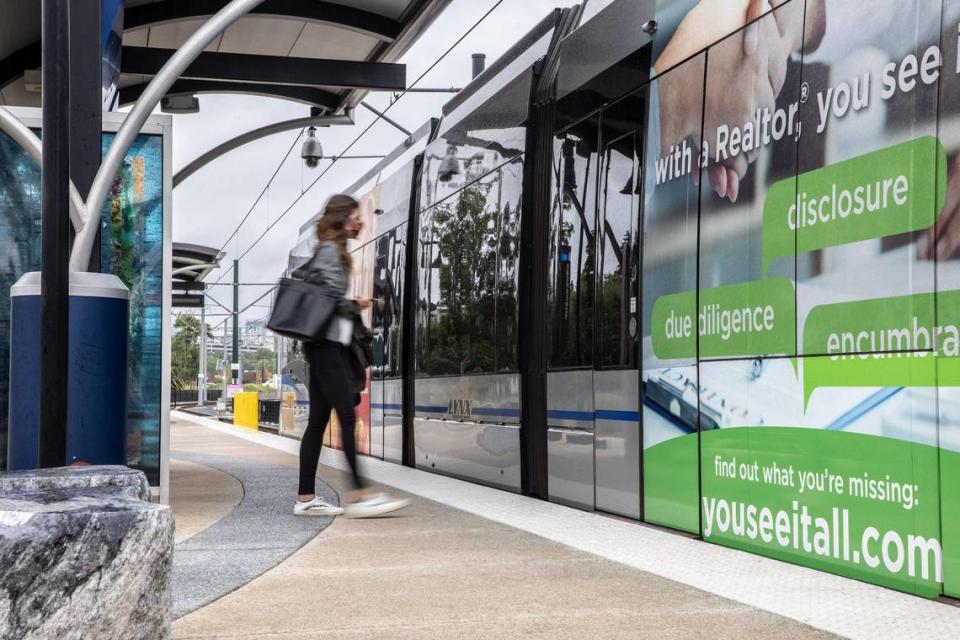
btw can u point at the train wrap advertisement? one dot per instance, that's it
(801, 286)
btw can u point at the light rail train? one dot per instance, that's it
(548, 294)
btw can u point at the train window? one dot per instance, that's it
(671, 196)
(733, 245)
(393, 299)
(617, 294)
(387, 294)
(366, 281)
(426, 309)
(381, 308)
(434, 267)
(508, 253)
(359, 285)
(459, 272)
(487, 233)
(573, 247)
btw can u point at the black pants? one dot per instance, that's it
(329, 389)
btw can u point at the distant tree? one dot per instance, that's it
(264, 363)
(185, 352)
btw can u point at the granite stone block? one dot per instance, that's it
(83, 556)
(125, 480)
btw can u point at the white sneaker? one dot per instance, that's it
(376, 505)
(316, 507)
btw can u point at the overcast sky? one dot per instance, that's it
(208, 206)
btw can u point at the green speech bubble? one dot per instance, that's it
(887, 192)
(746, 319)
(885, 342)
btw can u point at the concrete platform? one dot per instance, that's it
(252, 537)
(200, 496)
(434, 571)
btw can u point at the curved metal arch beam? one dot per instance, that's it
(338, 15)
(30, 142)
(384, 29)
(194, 267)
(310, 96)
(130, 129)
(256, 134)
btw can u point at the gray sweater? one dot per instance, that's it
(326, 268)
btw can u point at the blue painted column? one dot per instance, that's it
(96, 371)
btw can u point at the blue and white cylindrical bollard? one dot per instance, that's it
(97, 376)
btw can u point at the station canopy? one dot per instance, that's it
(323, 53)
(191, 264)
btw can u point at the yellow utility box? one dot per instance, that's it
(246, 410)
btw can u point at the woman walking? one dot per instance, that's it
(330, 388)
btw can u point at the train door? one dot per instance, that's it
(594, 442)
(381, 327)
(386, 387)
(617, 440)
(570, 316)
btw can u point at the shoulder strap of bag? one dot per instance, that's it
(303, 271)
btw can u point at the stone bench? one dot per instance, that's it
(83, 555)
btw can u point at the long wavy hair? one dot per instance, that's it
(331, 225)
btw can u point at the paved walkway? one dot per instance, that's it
(201, 496)
(256, 535)
(438, 572)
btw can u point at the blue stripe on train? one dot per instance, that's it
(617, 415)
(554, 414)
(430, 408)
(590, 416)
(560, 414)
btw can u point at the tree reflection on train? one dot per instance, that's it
(573, 242)
(387, 292)
(468, 267)
(508, 253)
(618, 295)
(466, 253)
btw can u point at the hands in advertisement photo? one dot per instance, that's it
(742, 78)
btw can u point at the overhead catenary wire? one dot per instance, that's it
(209, 294)
(377, 119)
(266, 188)
(249, 306)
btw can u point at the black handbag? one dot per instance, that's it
(302, 310)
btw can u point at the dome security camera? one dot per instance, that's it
(312, 152)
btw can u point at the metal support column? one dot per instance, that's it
(86, 99)
(55, 234)
(226, 365)
(202, 384)
(279, 346)
(235, 362)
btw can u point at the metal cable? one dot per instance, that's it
(263, 192)
(364, 132)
